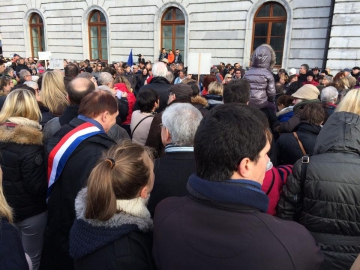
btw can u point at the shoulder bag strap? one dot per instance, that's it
(272, 183)
(140, 122)
(300, 144)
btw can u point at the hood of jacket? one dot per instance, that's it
(263, 57)
(341, 133)
(89, 235)
(24, 131)
(199, 100)
(285, 110)
(159, 80)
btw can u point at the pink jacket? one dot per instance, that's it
(272, 185)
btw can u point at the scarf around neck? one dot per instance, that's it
(234, 192)
(89, 235)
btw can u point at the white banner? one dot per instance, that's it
(56, 63)
(199, 63)
(44, 55)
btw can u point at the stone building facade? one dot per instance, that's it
(226, 29)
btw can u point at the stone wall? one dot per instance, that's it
(344, 48)
(223, 29)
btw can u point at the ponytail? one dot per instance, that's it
(101, 199)
(121, 174)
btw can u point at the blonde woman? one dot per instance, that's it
(215, 96)
(53, 93)
(22, 162)
(11, 250)
(113, 227)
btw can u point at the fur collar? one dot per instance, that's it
(89, 235)
(199, 100)
(142, 220)
(24, 132)
(285, 110)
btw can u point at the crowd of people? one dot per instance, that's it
(246, 168)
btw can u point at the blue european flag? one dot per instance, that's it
(130, 61)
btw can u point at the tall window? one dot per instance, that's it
(98, 36)
(269, 28)
(173, 30)
(36, 34)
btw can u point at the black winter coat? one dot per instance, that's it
(61, 212)
(161, 86)
(194, 234)
(287, 147)
(122, 242)
(329, 204)
(22, 162)
(12, 254)
(172, 172)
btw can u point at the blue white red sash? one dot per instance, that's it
(62, 151)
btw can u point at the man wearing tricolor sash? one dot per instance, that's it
(73, 153)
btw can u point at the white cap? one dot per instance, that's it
(292, 71)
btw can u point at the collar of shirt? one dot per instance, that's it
(94, 122)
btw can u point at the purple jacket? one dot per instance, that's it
(262, 85)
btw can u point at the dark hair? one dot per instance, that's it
(207, 80)
(194, 87)
(238, 132)
(306, 66)
(97, 102)
(237, 91)
(78, 88)
(71, 70)
(313, 113)
(285, 100)
(293, 88)
(122, 179)
(4, 81)
(146, 99)
(110, 70)
(237, 70)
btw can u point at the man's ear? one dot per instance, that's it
(245, 167)
(165, 136)
(104, 116)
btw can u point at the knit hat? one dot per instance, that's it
(164, 60)
(346, 70)
(308, 92)
(310, 73)
(356, 68)
(292, 71)
(181, 90)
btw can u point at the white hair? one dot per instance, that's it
(105, 78)
(105, 88)
(182, 121)
(32, 84)
(329, 94)
(23, 73)
(170, 76)
(159, 69)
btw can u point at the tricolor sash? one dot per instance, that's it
(62, 151)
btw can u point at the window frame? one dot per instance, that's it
(173, 23)
(98, 24)
(270, 20)
(40, 26)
